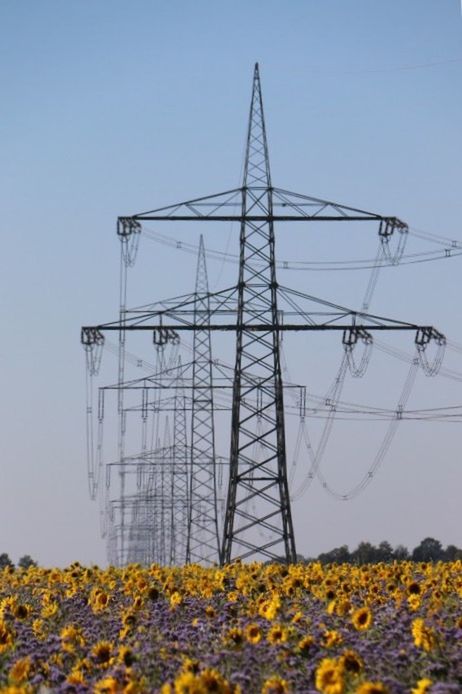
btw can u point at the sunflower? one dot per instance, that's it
(329, 677)
(305, 645)
(298, 616)
(413, 602)
(277, 634)
(98, 599)
(362, 618)
(20, 670)
(234, 637)
(253, 633)
(49, 609)
(7, 605)
(6, 637)
(153, 593)
(102, 653)
(188, 683)
(372, 688)
(22, 611)
(128, 618)
(191, 665)
(351, 662)
(71, 638)
(342, 607)
(175, 599)
(76, 676)
(126, 656)
(414, 588)
(102, 600)
(422, 686)
(210, 612)
(331, 638)
(269, 608)
(135, 687)
(137, 602)
(212, 681)
(424, 636)
(275, 685)
(108, 685)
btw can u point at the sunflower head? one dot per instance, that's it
(351, 662)
(305, 645)
(329, 677)
(253, 633)
(362, 618)
(414, 588)
(126, 656)
(372, 688)
(102, 653)
(422, 687)
(277, 634)
(20, 670)
(212, 681)
(275, 685)
(108, 685)
(6, 636)
(234, 637)
(22, 611)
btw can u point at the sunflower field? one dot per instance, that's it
(240, 629)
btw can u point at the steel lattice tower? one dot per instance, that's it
(179, 497)
(259, 400)
(258, 522)
(203, 537)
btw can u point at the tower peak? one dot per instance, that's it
(257, 168)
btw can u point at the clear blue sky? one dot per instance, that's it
(112, 107)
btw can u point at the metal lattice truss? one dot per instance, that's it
(287, 206)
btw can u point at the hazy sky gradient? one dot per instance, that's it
(112, 107)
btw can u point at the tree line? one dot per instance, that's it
(428, 550)
(24, 563)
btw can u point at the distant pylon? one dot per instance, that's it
(203, 537)
(258, 409)
(179, 476)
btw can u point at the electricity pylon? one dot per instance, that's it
(258, 407)
(179, 477)
(203, 541)
(258, 500)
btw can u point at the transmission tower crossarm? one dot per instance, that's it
(287, 206)
(264, 327)
(322, 210)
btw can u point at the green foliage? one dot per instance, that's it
(366, 553)
(5, 561)
(26, 561)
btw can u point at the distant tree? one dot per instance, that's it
(26, 561)
(339, 555)
(384, 552)
(5, 561)
(365, 553)
(400, 553)
(428, 550)
(452, 553)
